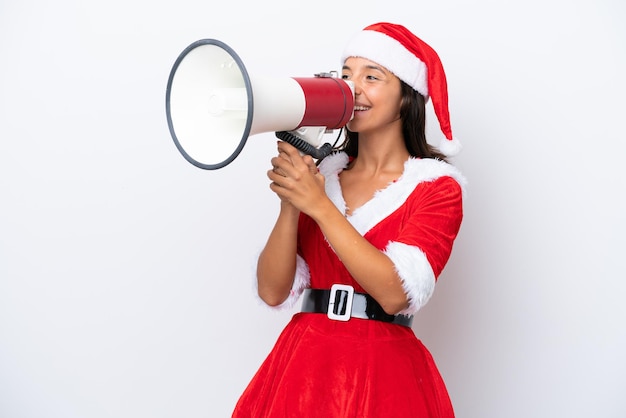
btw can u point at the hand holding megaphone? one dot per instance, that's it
(213, 106)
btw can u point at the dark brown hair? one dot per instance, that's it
(413, 115)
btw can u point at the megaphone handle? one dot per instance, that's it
(317, 153)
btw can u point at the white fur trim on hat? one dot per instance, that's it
(392, 55)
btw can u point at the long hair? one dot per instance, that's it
(413, 116)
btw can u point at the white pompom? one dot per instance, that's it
(450, 148)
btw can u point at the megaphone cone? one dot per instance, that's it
(213, 105)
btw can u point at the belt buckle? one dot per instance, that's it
(340, 302)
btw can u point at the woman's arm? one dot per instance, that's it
(277, 262)
(369, 266)
(294, 181)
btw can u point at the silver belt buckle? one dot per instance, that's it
(340, 302)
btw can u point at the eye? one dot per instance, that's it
(345, 76)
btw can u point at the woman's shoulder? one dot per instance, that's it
(420, 170)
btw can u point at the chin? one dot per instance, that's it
(353, 126)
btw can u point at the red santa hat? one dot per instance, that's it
(412, 61)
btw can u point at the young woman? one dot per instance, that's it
(362, 241)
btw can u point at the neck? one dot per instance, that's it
(381, 153)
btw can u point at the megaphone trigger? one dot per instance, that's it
(213, 106)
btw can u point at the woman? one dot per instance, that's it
(361, 241)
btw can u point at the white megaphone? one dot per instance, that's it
(213, 106)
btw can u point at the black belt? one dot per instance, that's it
(341, 303)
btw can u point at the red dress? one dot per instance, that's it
(365, 368)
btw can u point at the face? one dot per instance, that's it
(378, 96)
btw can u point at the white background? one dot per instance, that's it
(126, 272)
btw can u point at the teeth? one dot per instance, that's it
(361, 107)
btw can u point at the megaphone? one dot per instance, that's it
(213, 106)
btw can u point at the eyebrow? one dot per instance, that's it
(370, 67)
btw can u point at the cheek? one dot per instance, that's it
(394, 105)
(392, 99)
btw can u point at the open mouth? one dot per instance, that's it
(360, 108)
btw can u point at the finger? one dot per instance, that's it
(308, 160)
(286, 147)
(277, 162)
(279, 178)
(279, 171)
(295, 157)
(288, 152)
(280, 192)
(284, 166)
(274, 176)
(282, 169)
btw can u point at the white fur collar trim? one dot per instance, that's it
(385, 201)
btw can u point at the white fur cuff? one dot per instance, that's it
(418, 279)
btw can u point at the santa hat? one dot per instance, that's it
(412, 61)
